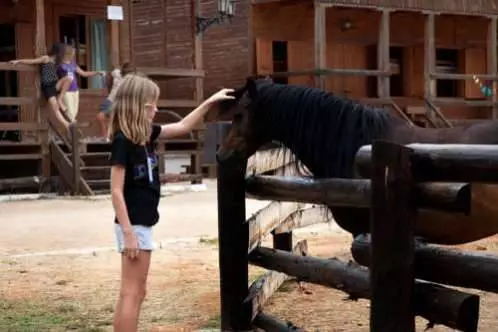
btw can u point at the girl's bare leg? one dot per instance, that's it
(132, 293)
(62, 86)
(54, 106)
(103, 128)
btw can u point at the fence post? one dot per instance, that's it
(233, 239)
(75, 158)
(392, 232)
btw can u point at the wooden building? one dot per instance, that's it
(415, 56)
(28, 135)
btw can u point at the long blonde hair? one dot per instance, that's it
(129, 114)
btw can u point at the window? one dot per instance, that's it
(446, 62)
(396, 62)
(279, 51)
(88, 35)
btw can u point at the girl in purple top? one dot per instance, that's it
(69, 68)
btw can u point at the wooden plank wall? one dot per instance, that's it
(352, 48)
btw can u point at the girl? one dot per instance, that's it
(114, 81)
(135, 186)
(486, 90)
(52, 87)
(69, 68)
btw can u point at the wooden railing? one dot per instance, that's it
(435, 115)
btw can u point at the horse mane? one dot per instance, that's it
(324, 129)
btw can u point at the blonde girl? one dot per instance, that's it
(69, 68)
(135, 186)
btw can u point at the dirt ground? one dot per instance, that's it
(59, 270)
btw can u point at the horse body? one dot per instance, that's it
(324, 132)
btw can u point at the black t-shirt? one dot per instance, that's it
(142, 188)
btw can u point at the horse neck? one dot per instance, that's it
(325, 143)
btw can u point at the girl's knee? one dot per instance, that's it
(133, 293)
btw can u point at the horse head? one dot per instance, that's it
(243, 138)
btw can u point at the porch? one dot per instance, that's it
(416, 62)
(31, 140)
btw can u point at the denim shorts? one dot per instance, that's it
(105, 107)
(144, 237)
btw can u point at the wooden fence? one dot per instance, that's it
(400, 280)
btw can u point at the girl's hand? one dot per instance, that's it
(223, 94)
(14, 62)
(131, 249)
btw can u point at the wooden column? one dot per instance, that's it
(233, 236)
(392, 231)
(125, 35)
(492, 60)
(41, 49)
(320, 42)
(197, 63)
(383, 56)
(114, 37)
(429, 58)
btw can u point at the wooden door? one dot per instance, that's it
(300, 57)
(472, 61)
(264, 56)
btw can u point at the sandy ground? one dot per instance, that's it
(60, 272)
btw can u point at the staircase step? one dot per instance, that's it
(101, 184)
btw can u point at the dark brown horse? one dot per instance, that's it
(325, 131)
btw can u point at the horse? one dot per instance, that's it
(324, 131)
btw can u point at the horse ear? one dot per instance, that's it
(251, 87)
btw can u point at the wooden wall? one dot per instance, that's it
(356, 47)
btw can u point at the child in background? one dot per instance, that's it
(135, 186)
(486, 90)
(53, 88)
(113, 83)
(69, 68)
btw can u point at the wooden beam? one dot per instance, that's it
(269, 323)
(429, 59)
(453, 197)
(233, 234)
(305, 217)
(17, 67)
(320, 42)
(383, 56)
(392, 226)
(457, 163)
(125, 34)
(267, 219)
(447, 266)
(172, 73)
(492, 61)
(436, 303)
(41, 49)
(449, 76)
(114, 37)
(265, 286)
(462, 102)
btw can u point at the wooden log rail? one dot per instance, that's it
(444, 162)
(453, 197)
(392, 195)
(438, 304)
(443, 265)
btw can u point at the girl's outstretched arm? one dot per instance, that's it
(35, 61)
(189, 122)
(85, 73)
